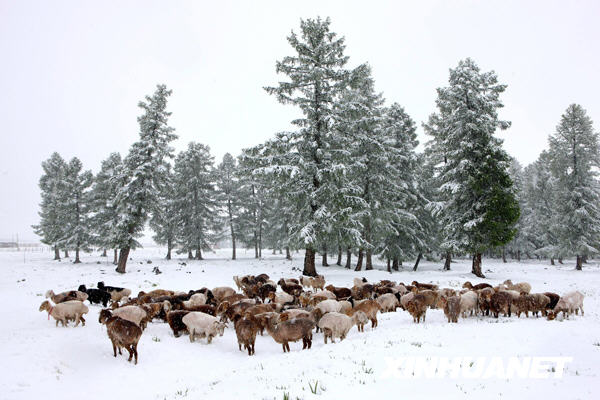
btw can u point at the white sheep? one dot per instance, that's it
(359, 282)
(400, 289)
(135, 314)
(197, 299)
(569, 303)
(281, 298)
(330, 305)
(65, 311)
(468, 303)
(521, 287)
(336, 325)
(388, 302)
(202, 325)
(66, 296)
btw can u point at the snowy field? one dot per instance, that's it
(41, 360)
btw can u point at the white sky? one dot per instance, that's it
(72, 73)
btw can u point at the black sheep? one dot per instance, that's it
(96, 296)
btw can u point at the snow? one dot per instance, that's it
(42, 360)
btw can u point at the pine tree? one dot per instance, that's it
(479, 208)
(76, 208)
(575, 158)
(165, 221)
(521, 243)
(229, 196)
(104, 194)
(196, 204)
(145, 168)
(317, 77)
(51, 227)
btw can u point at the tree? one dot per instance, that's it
(145, 168)
(316, 77)
(51, 227)
(196, 203)
(228, 195)
(165, 221)
(104, 219)
(575, 158)
(76, 208)
(479, 204)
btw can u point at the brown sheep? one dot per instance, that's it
(417, 307)
(220, 293)
(264, 290)
(425, 286)
(485, 299)
(122, 333)
(175, 322)
(66, 296)
(290, 287)
(263, 318)
(369, 307)
(291, 331)
(341, 293)
(501, 302)
(451, 306)
(365, 291)
(260, 308)
(524, 304)
(245, 329)
(553, 300)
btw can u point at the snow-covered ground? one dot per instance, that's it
(39, 359)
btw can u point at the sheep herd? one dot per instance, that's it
(293, 312)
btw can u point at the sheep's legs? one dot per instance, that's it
(114, 349)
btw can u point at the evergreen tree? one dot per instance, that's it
(521, 243)
(165, 221)
(229, 196)
(145, 169)
(316, 77)
(196, 203)
(575, 158)
(76, 208)
(479, 204)
(51, 227)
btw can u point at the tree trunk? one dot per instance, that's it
(348, 258)
(190, 255)
(168, 250)
(503, 254)
(560, 259)
(199, 254)
(477, 266)
(339, 259)
(369, 263)
(255, 245)
(418, 261)
(104, 253)
(552, 261)
(231, 228)
(448, 261)
(66, 253)
(288, 255)
(579, 263)
(584, 259)
(123, 257)
(361, 254)
(260, 241)
(274, 251)
(309, 263)
(77, 260)
(115, 257)
(389, 265)
(324, 261)
(519, 255)
(56, 253)
(396, 264)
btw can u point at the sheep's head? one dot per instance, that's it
(49, 293)
(508, 282)
(220, 327)
(467, 285)
(551, 315)
(104, 316)
(331, 288)
(45, 305)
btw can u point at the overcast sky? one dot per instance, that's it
(72, 73)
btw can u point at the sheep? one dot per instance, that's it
(156, 310)
(281, 298)
(203, 325)
(485, 299)
(116, 293)
(245, 330)
(317, 282)
(553, 300)
(417, 307)
(197, 299)
(260, 308)
(234, 298)
(221, 292)
(123, 334)
(340, 292)
(329, 306)
(452, 308)
(358, 282)
(370, 308)
(501, 302)
(540, 302)
(65, 311)
(264, 290)
(237, 281)
(401, 289)
(446, 292)
(361, 319)
(468, 303)
(175, 322)
(479, 286)
(388, 302)
(227, 312)
(431, 297)
(405, 299)
(425, 286)
(135, 314)
(567, 304)
(290, 287)
(295, 313)
(366, 291)
(96, 296)
(263, 318)
(291, 331)
(336, 325)
(522, 287)
(66, 296)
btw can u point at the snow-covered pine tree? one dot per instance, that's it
(51, 227)
(479, 204)
(316, 77)
(76, 208)
(196, 202)
(145, 168)
(229, 196)
(105, 216)
(521, 243)
(575, 159)
(165, 221)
